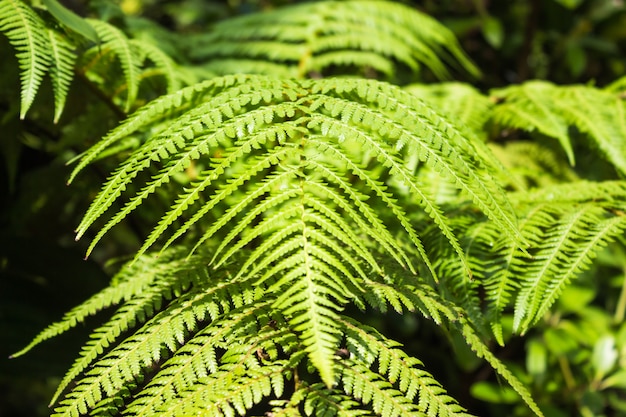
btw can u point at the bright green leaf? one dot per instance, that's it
(71, 20)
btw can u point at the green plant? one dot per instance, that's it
(281, 207)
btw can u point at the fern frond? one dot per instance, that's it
(482, 351)
(42, 49)
(475, 231)
(308, 298)
(296, 145)
(29, 36)
(567, 238)
(527, 107)
(324, 36)
(204, 130)
(312, 196)
(499, 281)
(61, 73)
(115, 41)
(542, 106)
(457, 319)
(369, 388)
(566, 225)
(140, 305)
(226, 348)
(432, 305)
(599, 115)
(401, 371)
(223, 396)
(278, 118)
(158, 110)
(164, 333)
(256, 166)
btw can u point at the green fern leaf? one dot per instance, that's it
(368, 387)
(116, 41)
(303, 138)
(309, 38)
(61, 74)
(27, 33)
(399, 370)
(566, 225)
(551, 110)
(200, 362)
(125, 363)
(456, 317)
(483, 352)
(129, 283)
(142, 304)
(164, 65)
(601, 116)
(567, 237)
(185, 140)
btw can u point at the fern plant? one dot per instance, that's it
(34, 42)
(43, 47)
(331, 37)
(287, 202)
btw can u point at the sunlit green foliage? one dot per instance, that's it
(276, 197)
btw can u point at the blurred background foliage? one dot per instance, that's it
(575, 360)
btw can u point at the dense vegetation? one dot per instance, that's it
(313, 208)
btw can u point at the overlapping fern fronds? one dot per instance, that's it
(329, 37)
(269, 133)
(566, 221)
(288, 207)
(40, 50)
(43, 48)
(566, 224)
(310, 196)
(218, 346)
(138, 59)
(543, 108)
(551, 110)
